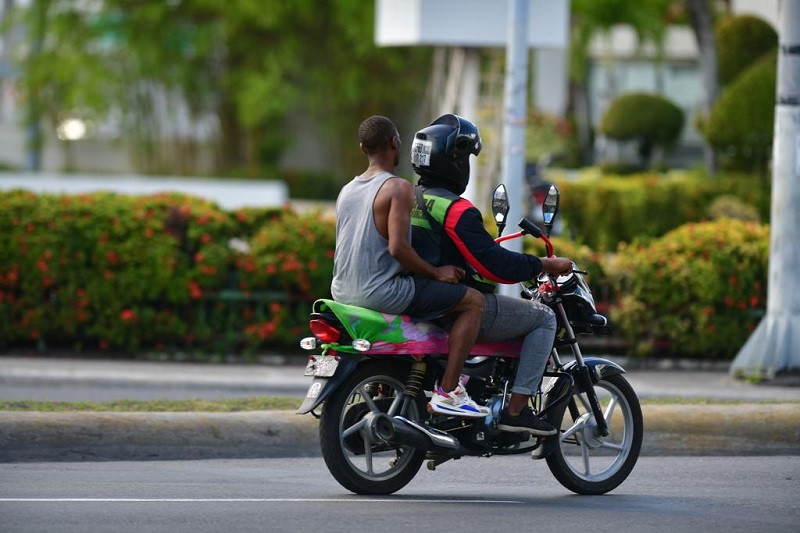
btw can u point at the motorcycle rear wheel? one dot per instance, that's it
(587, 464)
(357, 463)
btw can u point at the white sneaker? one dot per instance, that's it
(456, 403)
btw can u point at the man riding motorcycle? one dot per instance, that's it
(449, 230)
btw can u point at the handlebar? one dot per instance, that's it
(529, 228)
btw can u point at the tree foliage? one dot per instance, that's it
(244, 65)
(741, 41)
(650, 119)
(741, 122)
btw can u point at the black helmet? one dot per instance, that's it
(441, 151)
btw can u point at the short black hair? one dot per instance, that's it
(375, 133)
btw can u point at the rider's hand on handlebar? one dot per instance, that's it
(449, 274)
(557, 265)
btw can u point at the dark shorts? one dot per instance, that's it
(433, 299)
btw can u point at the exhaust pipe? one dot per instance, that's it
(400, 430)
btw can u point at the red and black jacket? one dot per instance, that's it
(449, 230)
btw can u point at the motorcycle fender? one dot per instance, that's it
(321, 387)
(598, 368)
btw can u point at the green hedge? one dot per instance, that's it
(699, 291)
(741, 123)
(650, 119)
(741, 41)
(111, 272)
(602, 212)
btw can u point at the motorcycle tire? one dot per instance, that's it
(353, 459)
(578, 446)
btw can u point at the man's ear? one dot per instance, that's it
(361, 146)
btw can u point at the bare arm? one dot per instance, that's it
(401, 200)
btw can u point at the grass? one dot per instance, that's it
(260, 403)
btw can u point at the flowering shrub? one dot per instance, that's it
(698, 291)
(104, 271)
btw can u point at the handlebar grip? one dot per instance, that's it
(529, 227)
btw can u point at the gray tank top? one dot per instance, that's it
(364, 272)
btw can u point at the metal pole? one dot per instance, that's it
(468, 108)
(516, 88)
(774, 346)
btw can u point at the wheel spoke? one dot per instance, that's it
(585, 453)
(610, 409)
(585, 403)
(368, 453)
(358, 426)
(571, 431)
(368, 399)
(396, 403)
(612, 446)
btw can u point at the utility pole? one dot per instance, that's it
(774, 347)
(514, 119)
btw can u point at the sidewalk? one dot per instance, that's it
(759, 427)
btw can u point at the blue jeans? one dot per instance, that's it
(506, 318)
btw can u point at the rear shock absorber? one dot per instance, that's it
(415, 378)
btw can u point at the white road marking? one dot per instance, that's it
(238, 500)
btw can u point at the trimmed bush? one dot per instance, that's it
(741, 123)
(602, 212)
(741, 41)
(650, 119)
(698, 291)
(728, 206)
(164, 272)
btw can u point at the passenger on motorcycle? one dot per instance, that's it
(373, 260)
(448, 229)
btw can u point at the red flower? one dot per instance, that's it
(270, 269)
(208, 270)
(195, 292)
(205, 238)
(241, 217)
(108, 274)
(754, 301)
(148, 232)
(103, 344)
(126, 315)
(728, 301)
(275, 307)
(112, 257)
(198, 257)
(41, 265)
(34, 334)
(30, 228)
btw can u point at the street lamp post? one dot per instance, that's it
(514, 119)
(774, 347)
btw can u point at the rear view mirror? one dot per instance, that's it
(550, 205)
(500, 207)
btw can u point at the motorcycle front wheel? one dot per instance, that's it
(357, 462)
(586, 463)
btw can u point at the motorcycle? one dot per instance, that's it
(372, 377)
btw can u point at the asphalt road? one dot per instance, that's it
(669, 494)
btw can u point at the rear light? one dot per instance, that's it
(324, 331)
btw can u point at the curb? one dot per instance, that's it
(740, 429)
